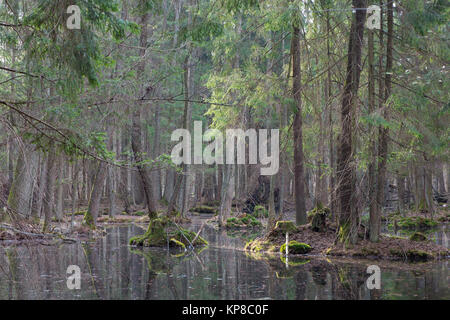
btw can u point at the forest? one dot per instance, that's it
(117, 118)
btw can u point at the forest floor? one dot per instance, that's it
(324, 244)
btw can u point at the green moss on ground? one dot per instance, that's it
(242, 222)
(419, 223)
(296, 247)
(260, 212)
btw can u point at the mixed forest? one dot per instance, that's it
(86, 115)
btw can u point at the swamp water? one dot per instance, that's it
(110, 269)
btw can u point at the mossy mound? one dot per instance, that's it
(419, 223)
(243, 221)
(296, 247)
(260, 212)
(204, 209)
(418, 236)
(318, 217)
(162, 231)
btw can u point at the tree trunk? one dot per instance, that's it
(92, 212)
(373, 212)
(187, 122)
(136, 133)
(401, 192)
(227, 193)
(348, 219)
(37, 208)
(299, 179)
(49, 199)
(328, 93)
(384, 132)
(156, 153)
(21, 191)
(59, 190)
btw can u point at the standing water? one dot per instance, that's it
(113, 270)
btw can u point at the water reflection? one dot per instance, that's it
(113, 270)
(439, 234)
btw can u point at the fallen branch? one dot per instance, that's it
(198, 233)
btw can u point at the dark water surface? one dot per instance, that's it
(113, 270)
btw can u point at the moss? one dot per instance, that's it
(344, 232)
(88, 220)
(260, 212)
(161, 230)
(242, 222)
(285, 226)
(296, 247)
(254, 246)
(178, 243)
(154, 236)
(420, 223)
(418, 236)
(139, 213)
(186, 236)
(318, 218)
(259, 245)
